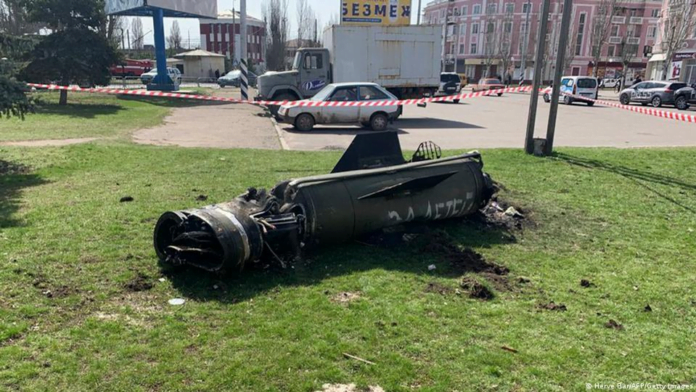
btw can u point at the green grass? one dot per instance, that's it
(90, 116)
(624, 219)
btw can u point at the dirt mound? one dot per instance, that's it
(434, 287)
(140, 282)
(476, 289)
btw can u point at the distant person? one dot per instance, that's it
(217, 74)
(508, 80)
(618, 86)
(637, 80)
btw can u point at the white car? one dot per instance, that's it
(376, 117)
(173, 73)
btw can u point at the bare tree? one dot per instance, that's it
(137, 36)
(628, 52)
(112, 28)
(490, 42)
(601, 27)
(505, 43)
(174, 40)
(14, 18)
(276, 16)
(676, 26)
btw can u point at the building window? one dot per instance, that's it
(490, 28)
(461, 48)
(633, 12)
(462, 29)
(615, 30)
(510, 8)
(652, 31)
(526, 7)
(508, 27)
(473, 48)
(581, 33)
(477, 9)
(611, 50)
(655, 13)
(492, 9)
(464, 11)
(474, 28)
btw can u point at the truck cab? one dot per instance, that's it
(311, 71)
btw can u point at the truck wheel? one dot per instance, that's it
(280, 97)
(304, 122)
(379, 122)
(681, 103)
(624, 99)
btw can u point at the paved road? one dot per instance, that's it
(489, 122)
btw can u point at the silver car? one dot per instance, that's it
(653, 92)
(376, 117)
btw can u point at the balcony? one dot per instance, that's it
(634, 41)
(618, 19)
(636, 20)
(614, 40)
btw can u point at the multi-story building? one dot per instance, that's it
(222, 36)
(676, 29)
(487, 37)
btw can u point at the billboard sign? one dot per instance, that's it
(171, 8)
(117, 6)
(376, 12)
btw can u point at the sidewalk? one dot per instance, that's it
(609, 94)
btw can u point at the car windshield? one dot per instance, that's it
(587, 83)
(323, 94)
(447, 78)
(298, 61)
(232, 75)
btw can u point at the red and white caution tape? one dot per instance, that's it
(144, 93)
(642, 110)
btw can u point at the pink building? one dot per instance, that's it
(682, 64)
(470, 20)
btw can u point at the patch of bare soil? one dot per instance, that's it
(553, 307)
(612, 324)
(348, 388)
(345, 297)
(140, 282)
(476, 289)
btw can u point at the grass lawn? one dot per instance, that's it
(90, 116)
(77, 311)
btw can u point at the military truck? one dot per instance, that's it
(403, 59)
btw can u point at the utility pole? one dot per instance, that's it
(420, 10)
(129, 41)
(234, 33)
(560, 59)
(456, 45)
(523, 66)
(534, 93)
(244, 82)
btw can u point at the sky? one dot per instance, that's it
(324, 9)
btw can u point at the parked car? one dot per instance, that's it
(376, 117)
(488, 84)
(233, 78)
(584, 86)
(450, 84)
(174, 73)
(684, 97)
(609, 83)
(653, 92)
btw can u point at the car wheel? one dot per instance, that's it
(681, 103)
(625, 99)
(456, 101)
(304, 122)
(567, 100)
(379, 122)
(644, 104)
(656, 102)
(547, 99)
(590, 103)
(500, 94)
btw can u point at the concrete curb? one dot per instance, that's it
(279, 131)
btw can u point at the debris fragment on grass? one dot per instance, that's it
(554, 307)
(586, 283)
(358, 359)
(126, 199)
(512, 350)
(613, 324)
(647, 308)
(476, 289)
